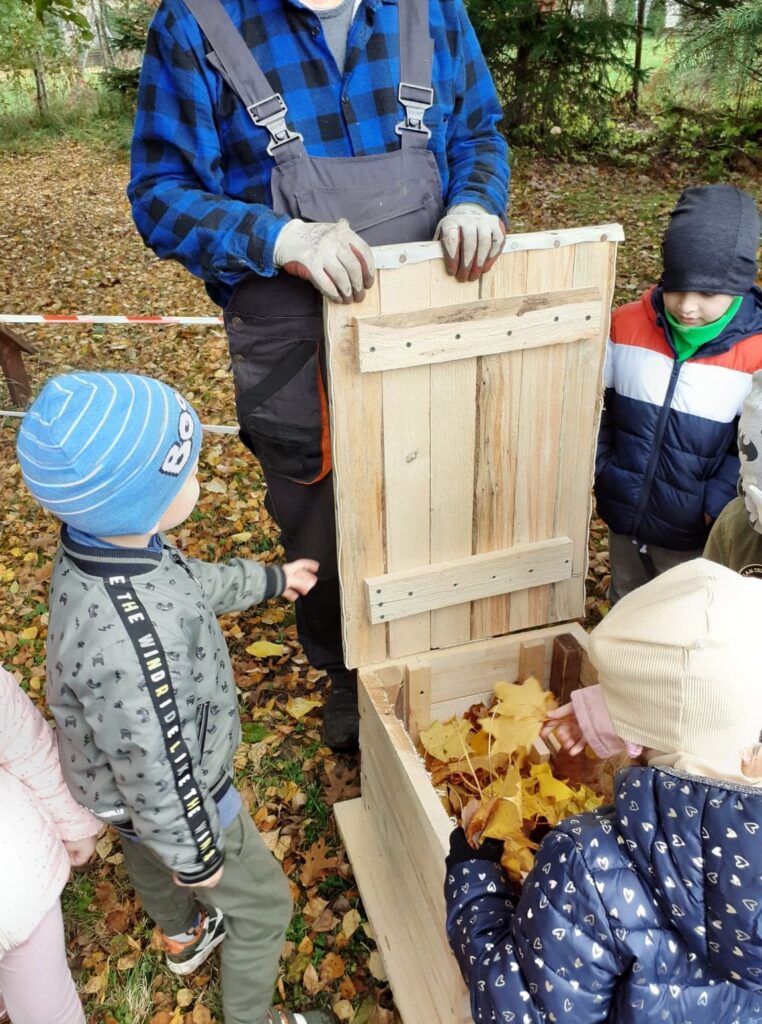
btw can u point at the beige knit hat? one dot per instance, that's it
(680, 670)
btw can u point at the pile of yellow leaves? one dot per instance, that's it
(481, 768)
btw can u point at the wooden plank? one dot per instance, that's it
(453, 426)
(405, 800)
(358, 481)
(565, 667)
(540, 424)
(377, 876)
(406, 439)
(531, 660)
(587, 674)
(395, 256)
(12, 364)
(396, 595)
(593, 265)
(418, 689)
(497, 452)
(485, 327)
(538, 752)
(462, 675)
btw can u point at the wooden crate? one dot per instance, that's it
(464, 426)
(397, 832)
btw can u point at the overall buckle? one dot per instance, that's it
(270, 114)
(416, 99)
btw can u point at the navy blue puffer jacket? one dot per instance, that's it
(644, 913)
(667, 450)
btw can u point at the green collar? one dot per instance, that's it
(689, 339)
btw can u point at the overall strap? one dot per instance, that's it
(266, 108)
(415, 92)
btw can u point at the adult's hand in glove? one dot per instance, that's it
(331, 256)
(472, 240)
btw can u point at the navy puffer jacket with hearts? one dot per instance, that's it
(648, 911)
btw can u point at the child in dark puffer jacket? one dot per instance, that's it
(649, 910)
(678, 368)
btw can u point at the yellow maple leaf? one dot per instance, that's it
(447, 741)
(515, 721)
(547, 798)
(273, 616)
(549, 785)
(480, 743)
(518, 855)
(298, 707)
(264, 711)
(264, 649)
(505, 819)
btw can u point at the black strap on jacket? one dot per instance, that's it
(268, 109)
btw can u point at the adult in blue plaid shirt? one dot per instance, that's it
(278, 135)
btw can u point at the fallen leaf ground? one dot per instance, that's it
(69, 246)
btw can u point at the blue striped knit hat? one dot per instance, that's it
(108, 452)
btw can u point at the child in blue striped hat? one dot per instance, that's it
(139, 676)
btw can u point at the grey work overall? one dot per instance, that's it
(275, 325)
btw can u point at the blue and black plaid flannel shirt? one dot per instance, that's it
(200, 184)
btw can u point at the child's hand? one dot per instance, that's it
(300, 577)
(80, 850)
(563, 722)
(208, 883)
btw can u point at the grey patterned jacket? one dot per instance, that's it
(141, 686)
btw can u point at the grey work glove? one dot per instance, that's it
(472, 240)
(331, 256)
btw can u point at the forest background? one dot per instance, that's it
(612, 107)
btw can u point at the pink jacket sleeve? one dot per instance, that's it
(28, 751)
(597, 728)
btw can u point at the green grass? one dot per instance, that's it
(90, 114)
(317, 814)
(77, 898)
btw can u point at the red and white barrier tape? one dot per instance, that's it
(210, 428)
(75, 318)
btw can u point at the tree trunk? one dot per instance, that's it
(640, 23)
(42, 91)
(97, 18)
(517, 111)
(524, 73)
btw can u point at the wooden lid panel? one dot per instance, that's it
(464, 428)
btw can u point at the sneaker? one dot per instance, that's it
(186, 957)
(341, 719)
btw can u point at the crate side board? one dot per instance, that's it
(461, 676)
(398, 858)
(401, 948)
